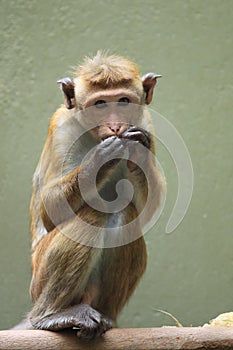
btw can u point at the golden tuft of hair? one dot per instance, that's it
(103, 70)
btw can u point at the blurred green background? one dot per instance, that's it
(190, 272)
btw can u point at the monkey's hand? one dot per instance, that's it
(106, 156)
(88, 322)
(111, 149)
(139, 135)
(135, 133)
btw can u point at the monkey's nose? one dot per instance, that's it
(115, 128)
(118, 129)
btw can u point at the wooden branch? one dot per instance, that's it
(122, 339)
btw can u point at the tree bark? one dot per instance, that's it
(168, 338)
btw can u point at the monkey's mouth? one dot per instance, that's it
(103, 138)
(120, 136)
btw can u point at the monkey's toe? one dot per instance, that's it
(92, 328)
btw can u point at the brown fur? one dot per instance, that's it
(67, 273)
(107, 71)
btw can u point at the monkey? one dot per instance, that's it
(80, 279)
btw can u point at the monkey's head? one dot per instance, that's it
(109, 93)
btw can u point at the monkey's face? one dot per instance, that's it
(111, 112)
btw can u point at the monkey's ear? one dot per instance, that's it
(67, 87)
(148, 81)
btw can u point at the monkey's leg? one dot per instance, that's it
(121, 276)
(67, 266)
(122, 268)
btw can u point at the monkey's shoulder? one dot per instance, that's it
(60, 118)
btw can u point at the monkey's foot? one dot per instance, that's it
(88, 322)
(92, 324)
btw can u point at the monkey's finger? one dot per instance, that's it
(137, 136)
(138, 128)
(135, 128)
(107, 141)
(113, 147)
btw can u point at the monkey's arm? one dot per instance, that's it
(147, 191)
(146, 179)
(60, 195)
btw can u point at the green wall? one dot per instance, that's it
(189, 271)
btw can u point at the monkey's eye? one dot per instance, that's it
(123, 101)
(100, 104)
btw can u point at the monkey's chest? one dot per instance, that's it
(117, 192)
